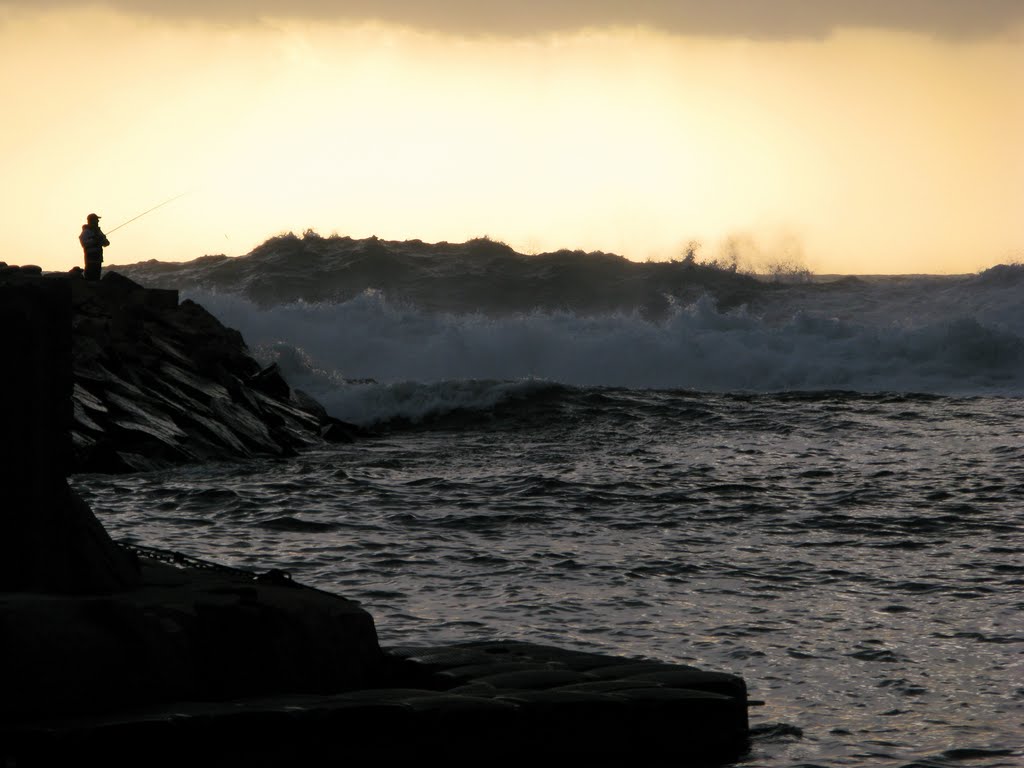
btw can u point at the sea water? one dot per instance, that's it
(823, 496)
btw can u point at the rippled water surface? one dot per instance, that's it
(858, 559)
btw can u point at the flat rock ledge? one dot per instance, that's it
(202, 664)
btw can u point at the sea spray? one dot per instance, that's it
(396, 359)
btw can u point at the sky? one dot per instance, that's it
(852, 137)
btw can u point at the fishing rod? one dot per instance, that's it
(165, 202)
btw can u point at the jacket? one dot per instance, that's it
(93, 240)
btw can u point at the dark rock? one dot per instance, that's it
(8, 271)
(308, 403)
(49, 539)
(183, 633)
(337, 431)
(269, 381)
(331, 429)
(159, 384)
(412, 717)
(118, 287)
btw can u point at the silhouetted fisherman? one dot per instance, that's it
(93, 240)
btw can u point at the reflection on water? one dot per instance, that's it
(857, 559)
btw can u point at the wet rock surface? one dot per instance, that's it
(159, 383)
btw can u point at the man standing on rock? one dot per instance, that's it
(93, 240)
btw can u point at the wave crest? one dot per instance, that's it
(370, 359)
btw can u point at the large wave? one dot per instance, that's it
(370, 359)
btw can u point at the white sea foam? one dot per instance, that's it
(423, 362)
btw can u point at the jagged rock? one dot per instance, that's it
(331, 429)
(158, 383)
(271, 382)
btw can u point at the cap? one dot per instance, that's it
(92, 217)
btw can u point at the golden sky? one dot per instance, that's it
(860, 138)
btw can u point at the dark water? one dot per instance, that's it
(858, 558)
(662, 460)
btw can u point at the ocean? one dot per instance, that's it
(819, 489)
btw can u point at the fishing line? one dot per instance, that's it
(165, 202)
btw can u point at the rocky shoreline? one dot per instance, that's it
(124, 655)
(160, 383)
(252, 669)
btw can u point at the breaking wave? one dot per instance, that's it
(370, 359)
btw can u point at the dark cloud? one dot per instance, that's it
(772, 19)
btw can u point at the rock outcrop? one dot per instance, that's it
(159, 383)
(88, 625)
(501, 703)
(49, 539)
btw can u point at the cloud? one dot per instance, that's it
(760, 19)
